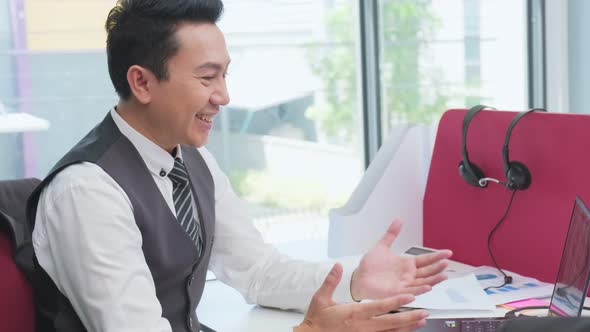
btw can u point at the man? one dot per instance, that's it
(128, 222)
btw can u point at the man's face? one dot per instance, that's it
(183, 107)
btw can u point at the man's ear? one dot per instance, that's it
(141, 81)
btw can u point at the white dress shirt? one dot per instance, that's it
(86, 239)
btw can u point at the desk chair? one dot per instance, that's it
(17, 309)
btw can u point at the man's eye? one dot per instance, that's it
(208, 78)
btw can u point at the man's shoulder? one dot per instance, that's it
(77, 173)
(76, 177)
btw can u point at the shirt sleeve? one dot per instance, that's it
(86, 239)
(242, 260)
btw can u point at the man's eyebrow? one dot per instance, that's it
(212, 65)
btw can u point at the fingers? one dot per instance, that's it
(429, 259)
(391, 233)
(423, 285)
(403, 321)
(429, 281)
(417, 290)
(432, 269)
(368, 310)
(326, 290)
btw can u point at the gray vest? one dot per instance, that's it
(178, 273)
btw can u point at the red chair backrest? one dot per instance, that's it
(17, 309)
(460, 217)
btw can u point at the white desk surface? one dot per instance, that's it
(225, 310)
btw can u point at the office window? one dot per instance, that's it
(570, 68)
(440, 54)
(290, 139)
(53, 69)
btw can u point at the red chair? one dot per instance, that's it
(17, 308)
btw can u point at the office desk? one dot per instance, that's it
(224, 309)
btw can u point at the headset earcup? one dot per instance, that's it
(471, 177)
(518, 176)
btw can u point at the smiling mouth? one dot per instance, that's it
(206, 118)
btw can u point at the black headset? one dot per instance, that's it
(518, 176)
(468, 170)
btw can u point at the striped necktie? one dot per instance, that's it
(181, 193)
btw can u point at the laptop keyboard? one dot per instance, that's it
(486, 325)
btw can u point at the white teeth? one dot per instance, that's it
(204, 117)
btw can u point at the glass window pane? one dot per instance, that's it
(569, 89)
(290, 139)
(440, 54)
(53, 70)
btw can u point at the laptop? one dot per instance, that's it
(570, 288)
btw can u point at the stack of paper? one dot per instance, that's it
(521, 287)
(467, 291)
(461, 293)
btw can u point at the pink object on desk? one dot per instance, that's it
(527, 303)
(458, 216)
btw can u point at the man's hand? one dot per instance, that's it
(382, 274)
(325, 315)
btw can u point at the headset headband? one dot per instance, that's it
(466, 120)
(505, 152)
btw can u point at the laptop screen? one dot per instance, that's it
(571, 286)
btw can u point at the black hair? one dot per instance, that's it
(141, 32)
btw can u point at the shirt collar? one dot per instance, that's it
(157, 160)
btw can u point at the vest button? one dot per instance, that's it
(162, 173)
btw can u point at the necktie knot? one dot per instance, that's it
(178, 174)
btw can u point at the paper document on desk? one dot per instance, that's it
(462, 293)
(520, 288)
